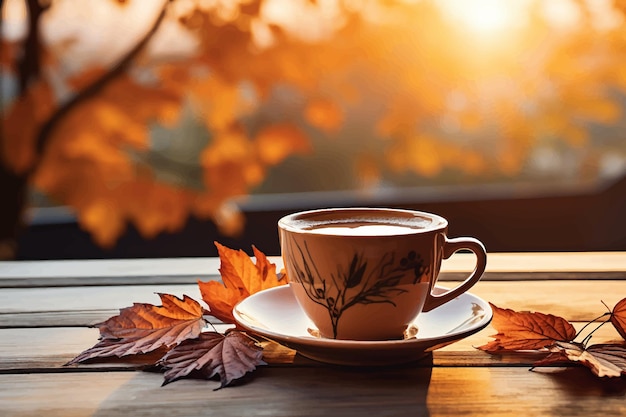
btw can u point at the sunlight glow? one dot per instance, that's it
(485, 17)
(13, 19)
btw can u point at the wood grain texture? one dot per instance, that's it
(44, 349)
(572, 299)
(43, 327)
(500, 266)
(293, 392)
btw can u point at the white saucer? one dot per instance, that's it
(276, 315)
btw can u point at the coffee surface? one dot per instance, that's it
(363, 227)
(362, 222)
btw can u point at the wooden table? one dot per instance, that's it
(46, 308)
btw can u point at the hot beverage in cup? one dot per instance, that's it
(366, 273)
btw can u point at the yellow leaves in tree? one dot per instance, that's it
(421, 154)
(103, 208)
(232, 155)
(88, 165)
(102, 129)
(20, 125)
(324, 114)
(102, 218)
(230, 164)
(276, 142)
(240, 278)
(406, 63)
(218, 102)
(428, 155)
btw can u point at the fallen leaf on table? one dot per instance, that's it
(240, 278)
(603, 359)
(230, 357)
(618, 317)
(144, 328)
(527, 330)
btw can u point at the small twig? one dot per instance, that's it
(588, 324)
(590, 335)
(29, 64)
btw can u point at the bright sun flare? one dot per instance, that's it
(484, 17)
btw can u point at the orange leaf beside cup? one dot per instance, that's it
(240, 278)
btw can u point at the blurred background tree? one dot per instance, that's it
(149, 111)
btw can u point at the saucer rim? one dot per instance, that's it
(322, 342)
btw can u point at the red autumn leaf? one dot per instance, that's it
(144, 328)
(603, 359)
(618, 317)
(527, 331)
(240, 278)
(230, 357)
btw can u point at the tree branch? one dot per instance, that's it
(94, 88)
(29, 65)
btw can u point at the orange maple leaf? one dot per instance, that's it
(618, 317)
(527, 331)
(240, 278)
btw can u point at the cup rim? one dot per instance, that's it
(437, 222)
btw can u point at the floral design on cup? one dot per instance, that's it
(357, 283)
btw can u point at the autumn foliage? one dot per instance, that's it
(177, 330)
(535, 331)
(176, 338)
(144, 328)
(527, 331)
(440, 96)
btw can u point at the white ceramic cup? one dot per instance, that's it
(366, 273)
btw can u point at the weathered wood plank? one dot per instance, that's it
(574, 300)
(320, 391)
(501, 266)
(38, 350)
(30, 300)
(106, 271)
(43, 348)
(80, 318)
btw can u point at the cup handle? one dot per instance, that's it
(449, 248)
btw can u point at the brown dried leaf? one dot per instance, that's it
(230, 357)
(526, 330)
(603, 359)
(618, 317)
(144, 328)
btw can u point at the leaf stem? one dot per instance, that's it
(586, 339)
